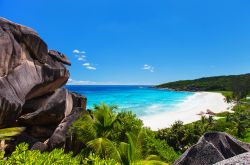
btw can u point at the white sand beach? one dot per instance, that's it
(188, 110)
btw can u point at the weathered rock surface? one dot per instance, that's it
(58, 139)
(212, 148)
(242, 159)
(52, 110)
(31, 77)
(26, 69)
(59, 57)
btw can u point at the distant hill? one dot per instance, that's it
(218, 83)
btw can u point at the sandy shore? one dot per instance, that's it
(188, 110)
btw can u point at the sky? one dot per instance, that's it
(128, 42)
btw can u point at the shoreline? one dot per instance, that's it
(187, 111)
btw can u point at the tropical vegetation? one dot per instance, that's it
(113, 137)
(240, 84)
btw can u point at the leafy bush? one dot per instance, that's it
(128, 122)
(154, 146)
(24, 156)
(181, 137)
(56, 157)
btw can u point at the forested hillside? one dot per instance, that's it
(218, 83)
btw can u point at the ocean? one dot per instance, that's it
(141, 100)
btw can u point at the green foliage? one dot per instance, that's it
(128, 123)
(56, 157)
(24, 156)
(154, 146)
(119, 136)
(240, 87)
(6, 133)
(93, 159)
(180, 136)
(236, 83)
(95, 131)
(246, 138)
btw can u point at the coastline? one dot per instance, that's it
(187, 111)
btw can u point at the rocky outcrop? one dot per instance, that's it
(242, 159)
(31, 77)
(53, 108)
(212, 148)
(26, 69)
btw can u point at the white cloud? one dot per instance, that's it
(80, 59)
(76, 51)
(80, 55)
(80, 82)
(86, 64)
(86, 82)
(148, 67)
(90, 68)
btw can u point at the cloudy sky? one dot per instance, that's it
(141, 41)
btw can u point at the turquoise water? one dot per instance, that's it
(141, 100)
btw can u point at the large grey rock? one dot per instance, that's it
(211, 148)
(26, 69)
(59, 57)
(242, 159)
(41, 132)
(58, 139)
(30, 93)
(39, 146)
(51, 110)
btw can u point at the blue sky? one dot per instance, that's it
(141, 41)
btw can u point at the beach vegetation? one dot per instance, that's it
(121, 137)
(113, 138)
(236, 123)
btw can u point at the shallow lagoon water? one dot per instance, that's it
(141, 100)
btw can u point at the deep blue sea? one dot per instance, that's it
(141, 100)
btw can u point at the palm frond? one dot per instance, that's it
(6, 133)
(123, 151)
(84, 128)
(104, 148)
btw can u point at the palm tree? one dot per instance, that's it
(130, 152)
(95, 129)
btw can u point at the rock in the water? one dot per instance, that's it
(26, 69)
(212, 148)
